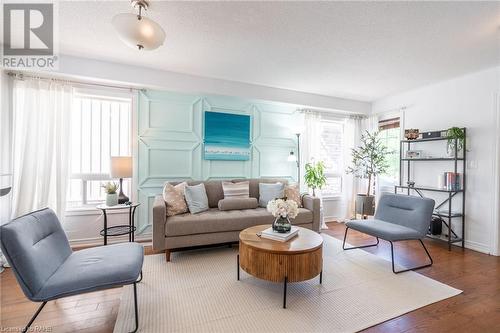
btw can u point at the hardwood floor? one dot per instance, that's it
(477, 309)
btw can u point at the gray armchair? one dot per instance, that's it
(46, 268)
(398, 218)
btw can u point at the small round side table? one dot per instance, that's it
(119, 230)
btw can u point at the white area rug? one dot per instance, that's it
(198, 292)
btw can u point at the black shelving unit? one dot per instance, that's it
(446, 214)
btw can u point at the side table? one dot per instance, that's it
(119, 230)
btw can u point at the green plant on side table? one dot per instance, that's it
(111, 196)
(315, 176)
(368, 161)
(455, 135)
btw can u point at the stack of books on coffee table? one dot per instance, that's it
(277, 236)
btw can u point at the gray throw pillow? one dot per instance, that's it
(196, 198)
(268, 192)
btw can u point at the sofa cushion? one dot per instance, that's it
(174, 198)
(268, 192)
(254, 184)
(238, 203)
(292, 193)
(214, 220)
(236, 190)
(196, 198)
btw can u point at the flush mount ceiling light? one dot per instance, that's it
(138, 31)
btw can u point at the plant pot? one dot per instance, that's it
(282, 225)
(365, 204)
(112, 199)
(450, 150)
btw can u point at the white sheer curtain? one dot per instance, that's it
(41, 124)
(310, 141)
(352, 127)
(310, 149)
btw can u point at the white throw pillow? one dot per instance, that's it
(196, 197)
(268, 192)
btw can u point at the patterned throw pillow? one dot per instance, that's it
(236, 190)
(174, 197)
(292, 193)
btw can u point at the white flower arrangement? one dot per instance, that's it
(283, 208)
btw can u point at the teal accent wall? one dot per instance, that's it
(170, 142)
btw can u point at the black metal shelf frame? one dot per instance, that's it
(448, 215)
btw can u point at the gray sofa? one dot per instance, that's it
(215, 226)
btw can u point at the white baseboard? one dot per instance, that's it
(97, 241)
(477, 247)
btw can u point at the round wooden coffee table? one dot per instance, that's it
(298, 259)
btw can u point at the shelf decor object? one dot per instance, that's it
(455, 191)
(411, 134)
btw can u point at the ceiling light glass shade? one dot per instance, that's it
(143, 34)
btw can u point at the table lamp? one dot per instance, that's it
(121, 167)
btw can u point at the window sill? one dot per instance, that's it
(332, 198)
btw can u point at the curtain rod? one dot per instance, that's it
(334, 114)
(22, 76)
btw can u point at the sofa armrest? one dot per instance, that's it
(159, 220)
(314, 205)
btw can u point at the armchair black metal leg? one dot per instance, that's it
(34, 317)
(413, 268)
(136, 309)
(356, 247)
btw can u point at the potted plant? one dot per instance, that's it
(368, 161)
(456, 136)
(111, 195)
(315, 176)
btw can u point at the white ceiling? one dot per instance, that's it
(358, 50)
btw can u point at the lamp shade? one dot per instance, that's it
(143, 33)
(292, 157)
(121, 167)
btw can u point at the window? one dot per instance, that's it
(331, 152)
(100, 128)
(389, 135)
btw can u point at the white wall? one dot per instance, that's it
(163, 80)
(469, 101)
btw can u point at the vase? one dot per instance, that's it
(112, 199)
(450, 149)
(282, 225)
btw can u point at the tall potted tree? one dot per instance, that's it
(368, 161)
